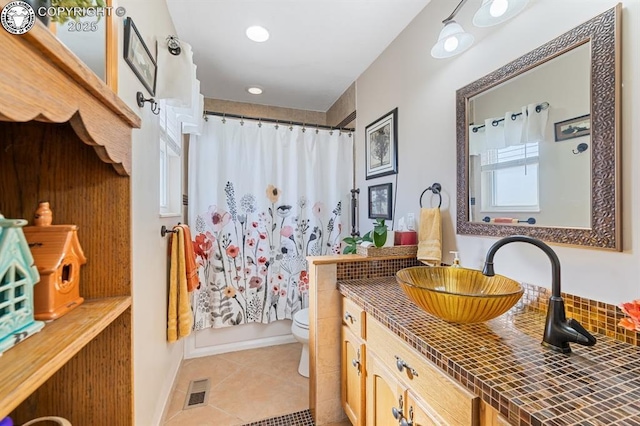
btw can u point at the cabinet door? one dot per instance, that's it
(418, 413)
(353, 377)
(385, 398)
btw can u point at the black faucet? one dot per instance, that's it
(558, 331)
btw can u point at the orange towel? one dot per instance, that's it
(191, 268)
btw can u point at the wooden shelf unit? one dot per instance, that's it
(65, 137)
(28, 365)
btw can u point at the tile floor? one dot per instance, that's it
(245, 386)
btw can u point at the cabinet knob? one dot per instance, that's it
(404, 421)
(397, 411)
(397, 414)
(401, 365)
(348, 317)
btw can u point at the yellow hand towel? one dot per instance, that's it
(430, 237)
(179, 316)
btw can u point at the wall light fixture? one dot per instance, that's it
(494, 12)
(453, 39)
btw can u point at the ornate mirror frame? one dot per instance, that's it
(603, 32)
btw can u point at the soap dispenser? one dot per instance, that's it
(456, 260)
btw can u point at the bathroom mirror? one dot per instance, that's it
(538, 142)
(94, 41)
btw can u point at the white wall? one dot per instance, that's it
(155, 361)
(423, 89)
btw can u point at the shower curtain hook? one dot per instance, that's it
(224, 119)
(291, 125)
(242, 120)
(277, 126)
(303, 128)
(259, 122)
(317, 131)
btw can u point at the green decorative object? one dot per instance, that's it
(351, 243)
(379, 233)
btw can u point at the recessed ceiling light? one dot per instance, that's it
(258, 33)
(254, 90)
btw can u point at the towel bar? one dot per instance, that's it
(164, 230)
(435, 188)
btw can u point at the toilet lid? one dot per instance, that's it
(302, 318)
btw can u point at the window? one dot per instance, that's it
(170, 160)
(509, 179)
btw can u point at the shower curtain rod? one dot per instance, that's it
(283, 122)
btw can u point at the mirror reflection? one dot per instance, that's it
(93, 39)
(525, 166)
(544, 159)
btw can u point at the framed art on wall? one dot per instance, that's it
(381, 146)
(573, 128)
(138, 56)
(380, 201)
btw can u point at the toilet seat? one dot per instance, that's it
(301, 318)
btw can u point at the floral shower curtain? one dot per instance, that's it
(262, 198)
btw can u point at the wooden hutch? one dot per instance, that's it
(65, 137)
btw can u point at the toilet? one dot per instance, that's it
(300, 330)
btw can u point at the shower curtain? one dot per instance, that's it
(262, 198)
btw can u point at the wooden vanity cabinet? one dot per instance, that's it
(353, 361)
(391, 403)
(489, 416)
(353, 377)
(65, 137)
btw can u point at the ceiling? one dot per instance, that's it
(316, 50)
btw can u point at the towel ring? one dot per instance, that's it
(435, 188)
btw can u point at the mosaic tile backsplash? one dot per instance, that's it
(596, 316)
(504, 363)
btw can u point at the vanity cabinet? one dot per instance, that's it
(386, 382)
(65, 137)
(353, 377)
(353, 361)
(391, 403)
(445, 399)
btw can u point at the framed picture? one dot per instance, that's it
(380, 201)
(573, 128)
(137, 55)
(381, 146)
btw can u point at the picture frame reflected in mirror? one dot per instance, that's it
(573, 128)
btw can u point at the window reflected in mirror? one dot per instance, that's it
(516, 168)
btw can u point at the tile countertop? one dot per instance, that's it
(503, 361)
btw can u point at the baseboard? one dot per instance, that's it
(159, 417)
(191, 351)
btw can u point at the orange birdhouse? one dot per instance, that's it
(58, 256)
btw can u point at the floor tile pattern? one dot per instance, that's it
(301, 418)
(503, 361)
(246, 386)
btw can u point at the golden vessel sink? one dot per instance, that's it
(458, 294)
